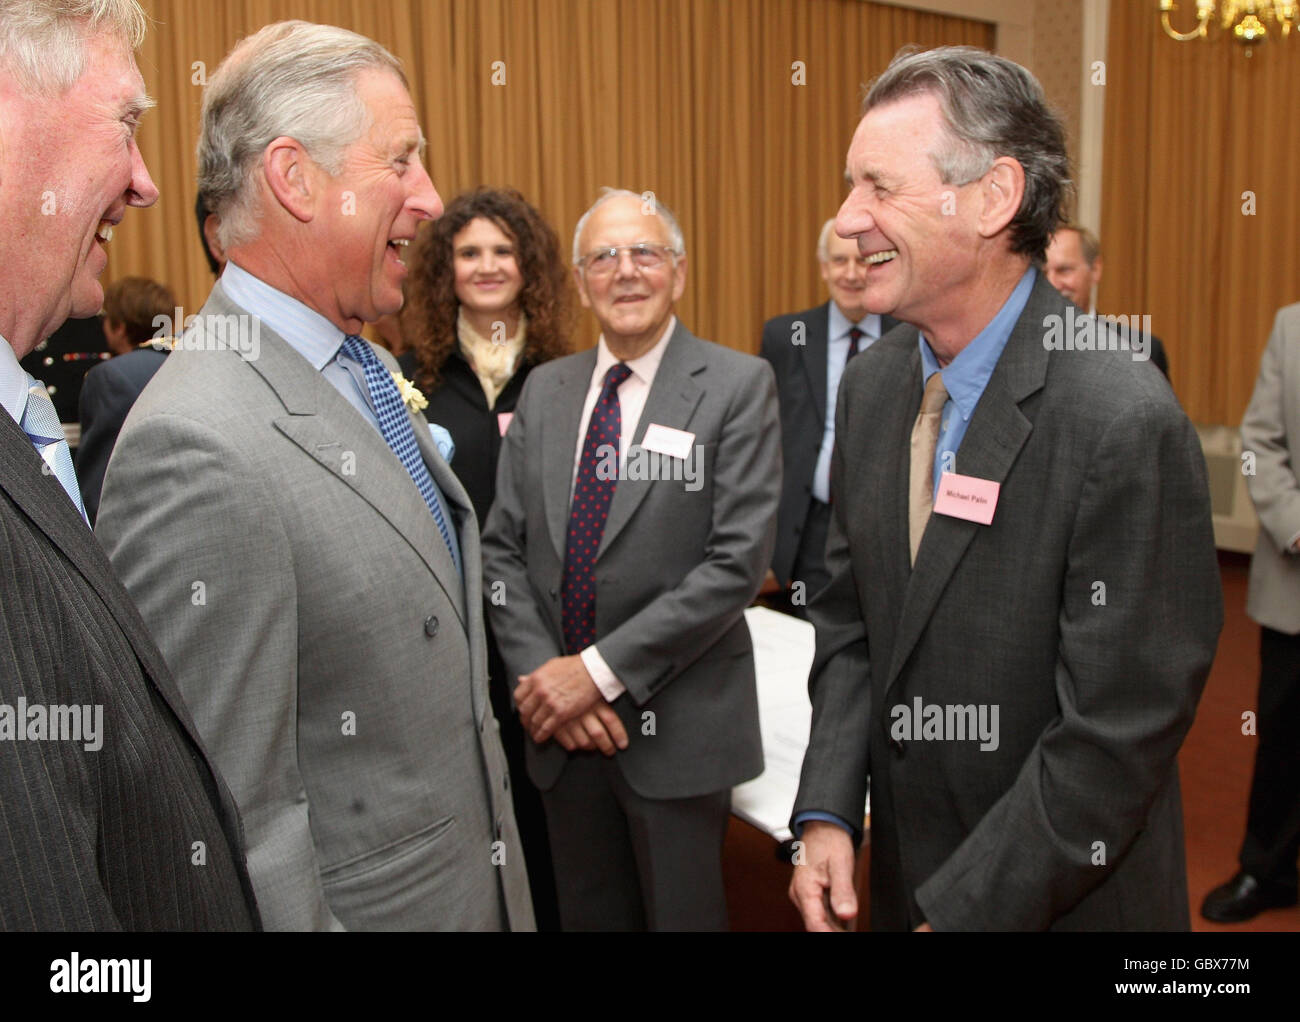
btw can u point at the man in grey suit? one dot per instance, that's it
(1270, 437)
(1024, 596)
(636, 502)
(111, 815)
(300, 549)
(809, 352)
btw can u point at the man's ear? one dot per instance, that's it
(1001, 190)
(679, 278)
(293, 177)
(1096, 271)
(582, 287)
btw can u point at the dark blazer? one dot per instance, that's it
(107, 394)
(459, 405)
(141, 834)
(675, 570)
(1087, 612)
(63, 359)
(801, 388)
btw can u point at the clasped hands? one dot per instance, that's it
(560, 699)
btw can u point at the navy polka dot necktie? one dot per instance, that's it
(592, 493)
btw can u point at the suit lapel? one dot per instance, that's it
(563, 414)
(815, 347)
(671, 402)
(321, 422)
(41, 498)
(997, 432)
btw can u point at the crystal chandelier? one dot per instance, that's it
(1247, 20)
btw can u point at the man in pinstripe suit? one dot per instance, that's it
(110, 814)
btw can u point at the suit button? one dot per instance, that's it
(431, 626)
(554, 592)
(505, 782)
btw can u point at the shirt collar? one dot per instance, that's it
(840, 324)
(309, 333)
(966, 376)
(13, 383)
(644, 366)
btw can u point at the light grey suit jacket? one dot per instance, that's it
(334, 662)
(675, 570)
(1271, 430)
(1087, 613)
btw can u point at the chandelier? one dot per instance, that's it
(1248, 20)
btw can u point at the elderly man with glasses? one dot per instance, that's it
(634, 521)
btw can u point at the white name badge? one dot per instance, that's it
(676, 443)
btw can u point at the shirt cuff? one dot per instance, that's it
(610, 687)
(817, 814)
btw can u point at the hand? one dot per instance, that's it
(924, 928)
(599, 728)
(822, 888)
(559, 691)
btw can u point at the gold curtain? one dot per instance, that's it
(1195, 133)
(694, 99)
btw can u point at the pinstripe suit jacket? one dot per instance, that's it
(106, 838)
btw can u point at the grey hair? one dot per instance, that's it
(991, 107)
(43, 42)
(294, 79)
(675, 240)
(1089, 246)
(824, 241)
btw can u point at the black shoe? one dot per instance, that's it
(1243, 897)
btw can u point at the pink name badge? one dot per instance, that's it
(503, 421)
(966, 497)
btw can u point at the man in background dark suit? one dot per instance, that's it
(1073, 266)
(809, 351)
(109, 390)
(1024, 597)
(116, 819)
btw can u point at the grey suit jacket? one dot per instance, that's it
(133, 828)
(1271, 431)
(675, 570)
(1086, 613)
(334, 662)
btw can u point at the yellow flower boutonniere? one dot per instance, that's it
(411, 394)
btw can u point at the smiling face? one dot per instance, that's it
(487, 272)
(632, 304)
(371, 209)
(1068, 271)
(845, 273)
(75, 168)
(919, 235)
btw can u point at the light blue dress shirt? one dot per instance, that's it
(837, 355)
(13, 383)
(966, 376)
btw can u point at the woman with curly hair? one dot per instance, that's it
(487, 298)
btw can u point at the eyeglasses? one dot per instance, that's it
(602, 262)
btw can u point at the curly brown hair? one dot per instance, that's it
(429, 315)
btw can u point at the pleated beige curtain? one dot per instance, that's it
(737, 113)
(1196, 136)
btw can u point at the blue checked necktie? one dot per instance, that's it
(395, 425)
(593, 491)
(42, 426)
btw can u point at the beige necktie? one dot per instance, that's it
(925, 437)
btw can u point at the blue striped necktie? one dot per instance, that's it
(395, 425)
(42, 426)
